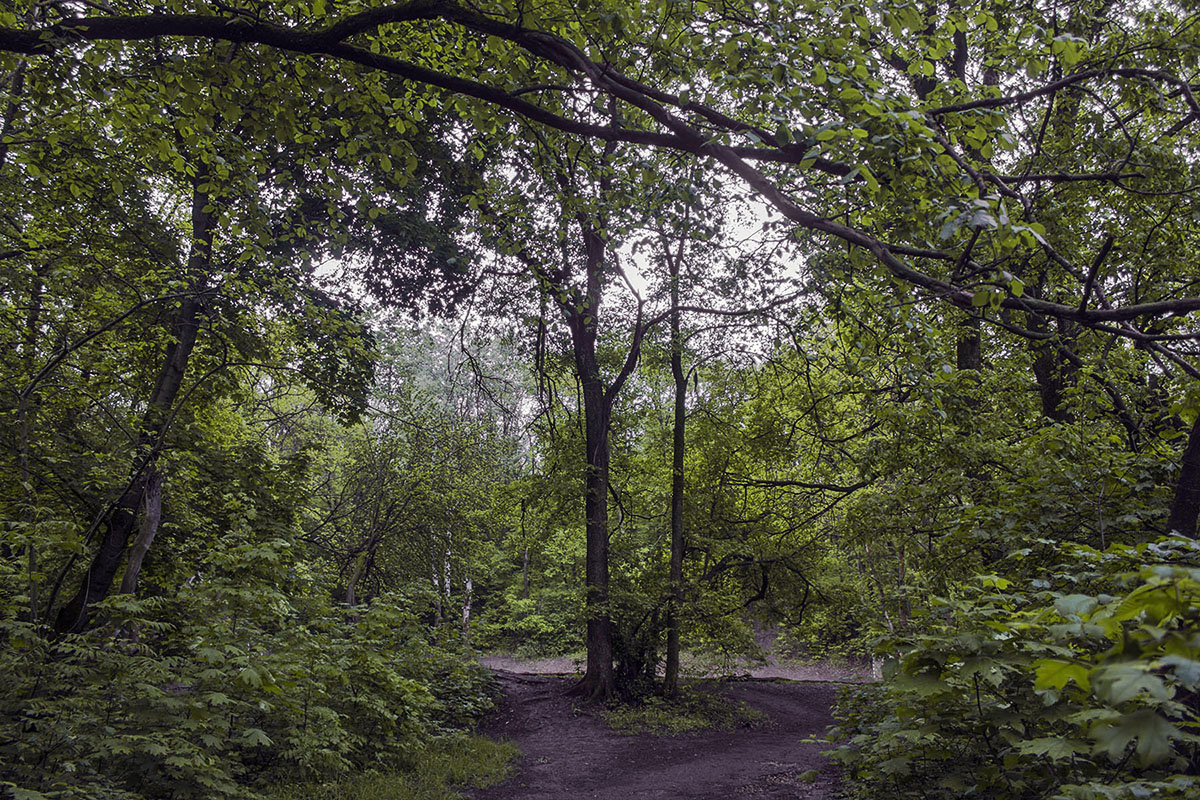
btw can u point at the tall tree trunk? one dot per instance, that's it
(1186, 506)
(120, 520)
(671, 672)
(582, 315)
(599, 682)
(524, 554)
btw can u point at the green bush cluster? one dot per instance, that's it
(224, 688)
(529, 627)
(1082, 684)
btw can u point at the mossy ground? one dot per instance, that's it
(696, 709)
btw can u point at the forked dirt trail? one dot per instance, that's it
(571, 754)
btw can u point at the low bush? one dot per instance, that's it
(223, 689)
(1081, 684)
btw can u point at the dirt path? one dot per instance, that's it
(573, 754)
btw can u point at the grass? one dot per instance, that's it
(464, 761)
(694, 710)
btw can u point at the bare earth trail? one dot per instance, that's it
(571, 753)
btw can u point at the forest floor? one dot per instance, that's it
(569, 751)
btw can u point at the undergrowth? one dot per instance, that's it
(458, 762)
(694, 710)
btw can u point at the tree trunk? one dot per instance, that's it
(120, 520)
(1186, 506)
(151, 516)
(671, 672)
(1050, 373)
(599, 681)
(525, 573)
(436, 572)
(968, 349)
(468, 586)
(524, 554)
(361, 565)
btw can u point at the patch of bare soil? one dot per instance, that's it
(571, 753)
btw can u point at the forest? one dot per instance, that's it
(343, 341)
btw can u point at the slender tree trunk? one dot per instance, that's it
(525, 573)
(23, 412)
(120, 521)
(524, 555)
(1186, 506)
(671, 672)
(360, 567)
(468, 586)
(151, 516)
(436, 572)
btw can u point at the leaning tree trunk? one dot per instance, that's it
(120, 520)
(151, 515)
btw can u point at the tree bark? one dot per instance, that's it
(468, 588)
(599, 682)
(360, 568)
(968, 348)
(151, 516)
(1186, 506)
(524, 554)
(678, 445)
(120, 520)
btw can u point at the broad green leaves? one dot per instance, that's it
(1087, 682)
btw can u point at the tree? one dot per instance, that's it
(994, 189)
(218, 203)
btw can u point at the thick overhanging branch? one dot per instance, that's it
(662, 107)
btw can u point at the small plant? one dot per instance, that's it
(694, 710)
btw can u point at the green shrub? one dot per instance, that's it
(1082, 684)
(229, 685)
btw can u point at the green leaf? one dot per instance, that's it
(1075, 605)
(1054, 674)
(1056, 748)
(1152, 733)
(250, 677)
(1187, 670)
(922, 685)
(256, 738)
(1117, 683)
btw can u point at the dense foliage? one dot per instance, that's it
(338, 338)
